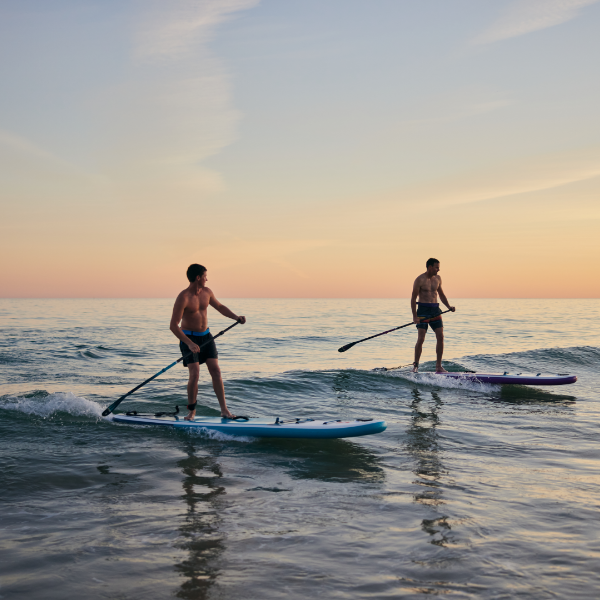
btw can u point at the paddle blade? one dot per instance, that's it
(346, 347)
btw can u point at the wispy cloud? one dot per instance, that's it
(18, 144)
(54, 177)
(174, 108)
(171, 29)
(508, 179)
(525, 16)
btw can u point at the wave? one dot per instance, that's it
(543, 359)
(554, 360)
(9, 357)
(45, 405)
(432, 379)
(96, 352)
(308, 392)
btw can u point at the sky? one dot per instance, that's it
(308, 148)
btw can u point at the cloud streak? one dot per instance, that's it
(171, 29)
(526, 16)
(173, 109)
(509, 179)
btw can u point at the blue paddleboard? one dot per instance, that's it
(264, 427)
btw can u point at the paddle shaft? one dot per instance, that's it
(116, 403)
(348, 346)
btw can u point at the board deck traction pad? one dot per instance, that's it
(263, 426)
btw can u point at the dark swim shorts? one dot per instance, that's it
(429, 310)
(208, 351)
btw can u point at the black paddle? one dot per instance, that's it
(423, 320)
(116, 403)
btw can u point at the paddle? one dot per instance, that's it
(348, 346)
(116, 403)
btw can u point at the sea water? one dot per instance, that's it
(473, 491)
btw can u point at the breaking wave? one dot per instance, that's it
(444, 382)
(44, 405)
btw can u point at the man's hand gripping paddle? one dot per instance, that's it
(348, 346)
(116, 403)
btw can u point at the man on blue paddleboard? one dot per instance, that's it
(191, 307)
(426, 288)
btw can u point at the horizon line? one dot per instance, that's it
(296, 298)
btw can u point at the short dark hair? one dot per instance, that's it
(431, 262)
(193, 272)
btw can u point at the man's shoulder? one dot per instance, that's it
(183, 295)
(420, 277)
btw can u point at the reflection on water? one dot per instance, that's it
(325, 460)
(200, 535)
(424, 446)
(519, 394)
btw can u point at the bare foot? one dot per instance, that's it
(227, 415)
(440, 369)
(191, 416)
(415, 368)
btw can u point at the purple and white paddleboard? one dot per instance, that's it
(513, 378)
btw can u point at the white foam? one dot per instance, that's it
(52, 403)
(446, 382)
(220, 436)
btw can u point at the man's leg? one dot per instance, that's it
(439, 350)
(217, 380)
(419, 348)
(192, 390)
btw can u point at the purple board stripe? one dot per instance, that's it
(509, 378)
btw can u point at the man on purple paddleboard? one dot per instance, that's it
(426, 288)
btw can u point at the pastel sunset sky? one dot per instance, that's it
(299, 148)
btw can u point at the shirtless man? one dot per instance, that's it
(190, 309)
(427, 287)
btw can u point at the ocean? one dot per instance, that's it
(473, 491)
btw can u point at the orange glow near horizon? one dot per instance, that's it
(534, 245)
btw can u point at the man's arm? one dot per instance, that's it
(443, 297)
(176, 319)
(224, 310)
(413, 299)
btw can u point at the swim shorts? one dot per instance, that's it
(429, 310)
(208, 351)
